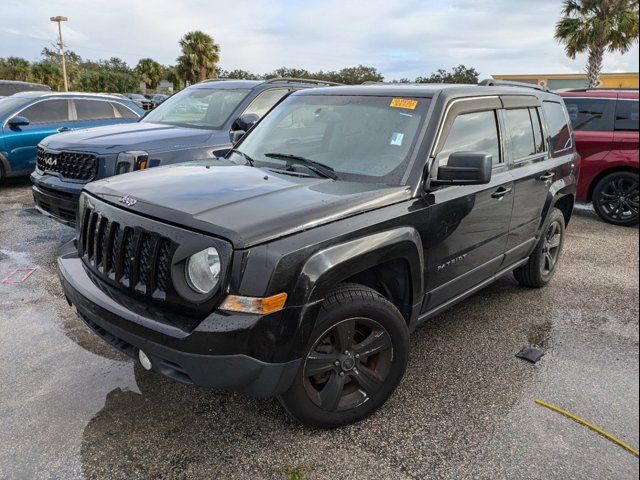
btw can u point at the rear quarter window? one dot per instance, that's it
(627, 115)
(123, 111)
(560, 138)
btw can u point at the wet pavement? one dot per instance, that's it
(72, 407)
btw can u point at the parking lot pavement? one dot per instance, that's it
(71, 407)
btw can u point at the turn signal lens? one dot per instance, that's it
(260, 306)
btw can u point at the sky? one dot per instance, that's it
(401, 38)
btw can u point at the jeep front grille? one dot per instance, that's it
(77, 166)
(132, 258)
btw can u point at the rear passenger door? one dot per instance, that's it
(532, 171)
(545, 131)
(466, 233)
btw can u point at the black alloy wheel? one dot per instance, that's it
(357, 355)
(615, 198)
(348, 364)
(551, 247)
(543, 261)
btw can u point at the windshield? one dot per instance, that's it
(198, 107)
(355, 138)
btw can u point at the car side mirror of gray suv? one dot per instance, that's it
(246, 121)
(18, 121)
(465, 168)
(236, 135)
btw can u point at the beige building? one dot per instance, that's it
(557, 81)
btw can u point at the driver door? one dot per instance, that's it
(465, 237)
(46, 117)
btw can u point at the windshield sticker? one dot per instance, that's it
(404, 103)
(396, 139)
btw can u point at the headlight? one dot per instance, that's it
(130, 161)
(203, 270)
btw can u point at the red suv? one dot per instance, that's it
(605, 123)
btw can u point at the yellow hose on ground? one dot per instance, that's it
(589, 425)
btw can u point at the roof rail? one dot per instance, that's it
(222, 79)
(490, 82)
(617, 89)
(301, 80)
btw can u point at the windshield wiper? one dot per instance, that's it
(320, 168)
(249, 160)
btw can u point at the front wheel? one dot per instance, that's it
(357, 355)
(541, 267)
(615, 198)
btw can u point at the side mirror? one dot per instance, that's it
(246, 121)
(237, 135)
(465, 168)
(18, 121)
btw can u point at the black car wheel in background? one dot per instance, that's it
(615, 198)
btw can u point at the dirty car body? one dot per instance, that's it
(368, 199)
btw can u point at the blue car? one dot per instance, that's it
(200, 122)
(28, 117)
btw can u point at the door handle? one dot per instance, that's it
(500, 193)
(63, 129)
(546, 176)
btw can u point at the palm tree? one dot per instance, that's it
(149, 71)
(199, 56)
(596, 26)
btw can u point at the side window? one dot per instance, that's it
(627, 115)
(263, 102)
(123, 112)
(538, 135)
(558, 127)
(47, 111)
(472, 132)
(93, 109)
(590, 114)
(520, 133)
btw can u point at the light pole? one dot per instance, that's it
(59, 20)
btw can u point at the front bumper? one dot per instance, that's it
(170, 349)
(54, 200)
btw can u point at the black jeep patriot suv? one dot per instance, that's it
(298, 265)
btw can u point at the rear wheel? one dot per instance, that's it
(541, 267)
(357, 356)
(615, 198)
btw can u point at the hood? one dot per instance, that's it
(245, 205)
(150, 137)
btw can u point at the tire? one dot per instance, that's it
(615, 198)
(543, 262)
(327, 395)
